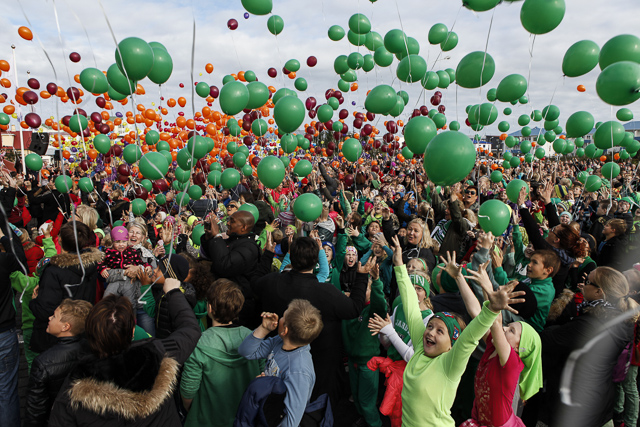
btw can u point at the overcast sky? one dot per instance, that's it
(252, 47)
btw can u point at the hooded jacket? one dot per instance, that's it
(66, 276)
(133, 388)
(215, 376)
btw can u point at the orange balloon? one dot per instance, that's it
(60, 92)
(108, 106)
(25, 33)
(191, 124)
(181, 122)
(208, 68)
(241, 76)
(5, 83)
(354, 87)
(92, 153)
(140, 89)
(581, 88)
(182, 101)
(292, 75)
(603, 158)
(45, 95)
(171, 102)
(9, 109)
(4, 65)
(76, 78)
(150, 114)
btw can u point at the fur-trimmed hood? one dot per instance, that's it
(133, 385)
(89, 257)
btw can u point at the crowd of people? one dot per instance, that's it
(231, 311)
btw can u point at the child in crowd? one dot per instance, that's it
(544, 264)
(121, 256)
(215, 376)
(360, 346)
(51, 367)
(288, 355)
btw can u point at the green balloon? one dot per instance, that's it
(559, 146)
(627, 140)
(162, 66)
(440, 120)
(202, 89)
(525, 146)
(359, 23)
(507, 111)
(307, 207)
(449, 158)
(289, 113)
(336, 33)
(406, 153)
(492, 94)
(471, 73)
(33, 161)
(232, 147)
(102, 143)
(250, 76)
(182, 198)
(496, 176)
(395, 41)
(579, 142)
(258, 95)
(63, 183)
(341, 64)
(325, 113)
(494, 216)
(454, 126)
(182, 175)
(4, 119)
(551, 124)
(288, 143)
(608, 135)
(214, 177)
(343, 86)
(412, 48)
(249, 207)
(450, 42)
(383, 57)
(271, 171)
(610, 170)
(215, 167)
(580, 58)
(541, 16)
(624, 115)
(292, 65)
(480, 6)
(484, 114)
(619, 83)
(197, 147)
(131, 153)
(258, 7)
(536, 115)
(508, 155)
(195, 192)
(350, 76)
(593, 183)
(163, 146)
(197, 233)
(373, 41)
(78, 123)
(356, 39)
(504, 126)
(438, 33)
(550, 112)
(247, 170)
(134, 58)
(590, 151)
(398, 108)
(115, 95)
(153, 165)
(582, 176)
(355, 60)
(239, 159)
(443, 79)
(161, 199)
(625, 47)
(580, 152)
(624, 155)
(369, 63)
(352, 149)
(303, 168)
(285, 161)
(227, 79)
(230, 178)
(513, 188)
(259, 127)
(93, 80)
(152, 137)
(234, 97)
(85, 184)
(510, 141)
(381, 99)
(404, 95)
(431, 80)
(506, 164)
(579, 123)
(138, 207)
(514, 86)
(275, 24)
(540, 153)
(337, 126)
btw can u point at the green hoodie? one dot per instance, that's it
(215, 376)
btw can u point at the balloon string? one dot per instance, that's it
(85, 32)
(533, 41)
(405, 38)
(486, 47)
(15, 77)
(447, 39)
(235, 49)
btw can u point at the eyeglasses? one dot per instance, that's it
(589, 282)
(233, 206)
(473, 193)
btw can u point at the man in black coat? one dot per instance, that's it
(234, 257)
(276, 290)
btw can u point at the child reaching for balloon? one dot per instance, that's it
(512, 357)
(442, 350)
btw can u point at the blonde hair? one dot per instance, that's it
(74, 312)
(88, 215)
(425, 241)
(303, 321)
(425, 275)
(616, 288)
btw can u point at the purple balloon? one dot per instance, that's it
(33, 120)
(52, 88)
(312, 61)
(353, 102)
(272, 72)
(74, 57)
(96, 117)
(119, 114)
(214, 92)
(30, 97)
(246, 15)
(101, 102)
(232, 24)
(310, 103)
(33, 84)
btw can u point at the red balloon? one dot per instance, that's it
(310, 103)
(74, 57)
(73, 93)
(30, 97)
(214, 92)
(52, 88)
(272, 72)
(232, 24)
(160, 186)
(101, 102)
(123, 179)
(84, 165)
(141, 193)
(312, 61)
(96, 117)
(343, 114)
(33, 83)
(33, 120)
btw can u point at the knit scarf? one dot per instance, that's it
(584, 305)
(440, 230)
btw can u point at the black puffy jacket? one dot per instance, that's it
(48, 373)
(64, 277)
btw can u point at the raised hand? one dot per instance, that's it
(481, 277)
(397, 251)
(270, 246)
(504, 297)
(269, 321)
(450, 266)
(376, 323)
(366, 269)
(375, 272)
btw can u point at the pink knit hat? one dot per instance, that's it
(119, 233)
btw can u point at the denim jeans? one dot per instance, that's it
(9, 362)
(627, 398)
(146, 322)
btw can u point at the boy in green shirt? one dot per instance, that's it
(544, 264)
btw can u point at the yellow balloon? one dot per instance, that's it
(14, 115)
(153, 103)
(200, 73)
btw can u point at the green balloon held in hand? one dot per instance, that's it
(580, 58)
(579, 124)
(94, 80)
(33, 161)
(63, 183)
(475, 69)
(289, 113)
(593, 183)
(271, 172)
(381, 99)
(153, 165)
(513, 189)
(307, 207)
(610, 170)
(258, 7)
(162, 66)
(352, 149)
(494, 216)
(542, 16)
(234, 97)
(230, 178)
(85, 184)
(336, 33)
(449, 158)
(275, 24)
(514, 86)
(138, 207)
(624, 47)
(134, 58)
(619, 83)
(197, 233)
